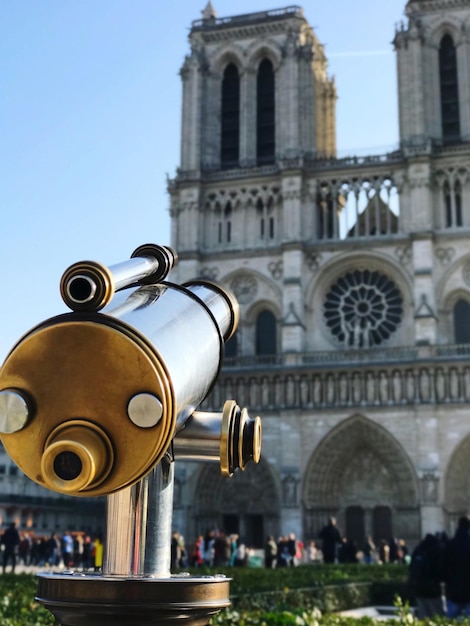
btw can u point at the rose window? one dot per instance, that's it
(363, 308)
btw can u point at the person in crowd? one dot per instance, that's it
(384, 551)
(312, 552)
(208, 548)
(369, 551)
(10, 542)
(87, 558)
(97, 552)
(24, 550)
(425, 577)
(331, 539)
(241, 554)
(284, 554)
(196, 558)
(175, 551)
(457, 570)
(270, 553)
(67, 549)
(220, 549)
(233, 548)
(347, 552)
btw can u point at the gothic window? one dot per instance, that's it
(449, 90)
(453, 204)
(266, 333)
(266, 220)
(230, 129)
(224, 226)
(462, 322)
(325, 213)
(265, 127)
(363, 308)
(231, 347)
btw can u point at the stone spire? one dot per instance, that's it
(209, 12)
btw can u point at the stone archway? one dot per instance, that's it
(457, 483)
(246, 503)
(359, 464)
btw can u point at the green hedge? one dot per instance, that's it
(17, 605)
(304, 596)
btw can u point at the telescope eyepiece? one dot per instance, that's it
(81, 289)
(68, 465)
(77, 456)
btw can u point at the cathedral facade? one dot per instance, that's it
(352, 274)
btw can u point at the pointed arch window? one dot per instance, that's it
(230, 128)
(224, 224)
(453, 203)
(462, 322)
(231, 347)
(266, 333)
(265, 113)
(448, 79)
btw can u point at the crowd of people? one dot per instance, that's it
(216, 548)
(439, 567)
(440, 573)
(76, 550)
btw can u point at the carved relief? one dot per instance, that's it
(466, 273)
(245, 288)
(289, 490)
(429, 487)
(276, 269)
(445, 255)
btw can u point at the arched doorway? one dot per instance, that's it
(361, 475)
(246, 504)
(457, 484)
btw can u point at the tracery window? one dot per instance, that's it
(230, 127)
(265, 113)
(266, 219)
(462, 322)
(449, 90)
(363, 308)
(231, 347)
(224, 226)
(453, 203)
(266, 333)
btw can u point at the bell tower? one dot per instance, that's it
(433, 63)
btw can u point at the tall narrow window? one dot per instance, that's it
(458, 203)
(462, 322)
(231, 347)
(266, 333)
(265, 128)
(449, 90)
(230, 129)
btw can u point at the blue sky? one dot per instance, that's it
(90, 99)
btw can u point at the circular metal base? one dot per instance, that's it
(78, 599)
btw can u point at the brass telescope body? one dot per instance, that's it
(101, 401)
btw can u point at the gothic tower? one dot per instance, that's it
(353, 277)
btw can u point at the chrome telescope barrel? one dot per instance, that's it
(90, 286)
(90, 402)
(231, 438)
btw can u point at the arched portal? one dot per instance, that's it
(457, 483)
(246, 504)
(358, 470)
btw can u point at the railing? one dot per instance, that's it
(247, 18)
(385, 356)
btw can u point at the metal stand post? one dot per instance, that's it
(136, 586)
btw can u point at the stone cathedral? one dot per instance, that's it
(353, 277)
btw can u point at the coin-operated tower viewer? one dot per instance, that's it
(101, 401)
